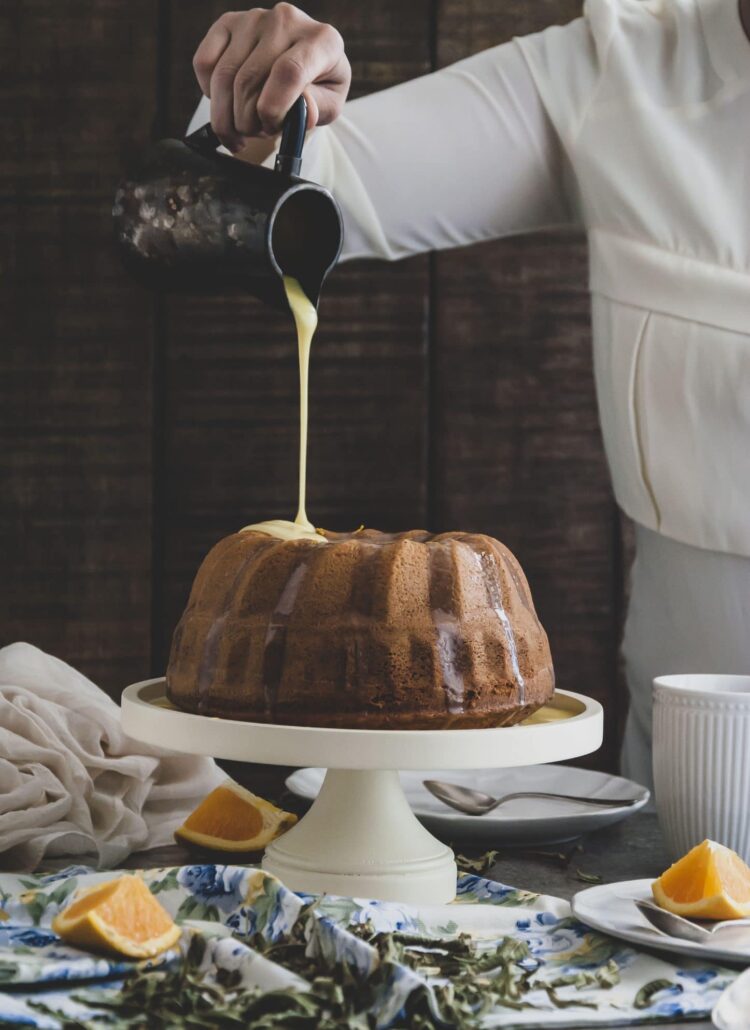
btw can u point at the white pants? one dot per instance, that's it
(689, 612)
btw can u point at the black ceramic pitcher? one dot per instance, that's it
(193, 220)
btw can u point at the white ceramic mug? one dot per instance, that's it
(701, 741)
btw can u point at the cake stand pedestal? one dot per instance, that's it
(360, 838)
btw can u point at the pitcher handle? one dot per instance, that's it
(204, 140)
(289, 157)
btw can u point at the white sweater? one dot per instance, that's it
(634, 122)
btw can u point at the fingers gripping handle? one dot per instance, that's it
(289, 157)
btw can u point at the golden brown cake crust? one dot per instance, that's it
(372, 631)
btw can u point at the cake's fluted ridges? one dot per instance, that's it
(408, 629)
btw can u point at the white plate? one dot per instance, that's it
(531, 821)
(610, 909)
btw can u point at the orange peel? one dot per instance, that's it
(709, 882)
(121, 917)
(235, 820)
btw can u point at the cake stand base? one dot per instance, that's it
(361, 839)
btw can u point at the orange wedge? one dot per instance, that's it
(234, 819)
(710, 882)
(121, 917)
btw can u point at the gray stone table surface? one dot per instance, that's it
(630, 850)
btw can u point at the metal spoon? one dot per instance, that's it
(685, 929)
(474, 802)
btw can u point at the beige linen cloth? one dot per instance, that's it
(71, 782)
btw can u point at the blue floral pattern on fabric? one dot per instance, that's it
(214, 899)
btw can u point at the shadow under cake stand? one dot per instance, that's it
(360, 838)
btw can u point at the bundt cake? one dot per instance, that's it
(365, 630)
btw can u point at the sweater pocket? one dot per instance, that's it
(694, 395)
(674, 396)
(619, 334)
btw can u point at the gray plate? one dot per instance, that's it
(520, 822)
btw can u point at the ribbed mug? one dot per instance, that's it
(701, 739)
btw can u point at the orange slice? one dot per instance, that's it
(710, 882)
(121, 917)
(234, 819)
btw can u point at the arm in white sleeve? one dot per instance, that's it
(465, 154)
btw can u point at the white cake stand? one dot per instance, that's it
(360, 838)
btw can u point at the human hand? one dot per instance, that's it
(254, 64)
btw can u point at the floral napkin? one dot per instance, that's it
(254, 953)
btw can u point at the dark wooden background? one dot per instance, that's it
(448, 391)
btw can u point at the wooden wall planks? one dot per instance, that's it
(449, 392)
(76, 95)
(517, 449)
(75, 525)
(466, 26)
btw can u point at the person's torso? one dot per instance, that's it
(661, 156)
